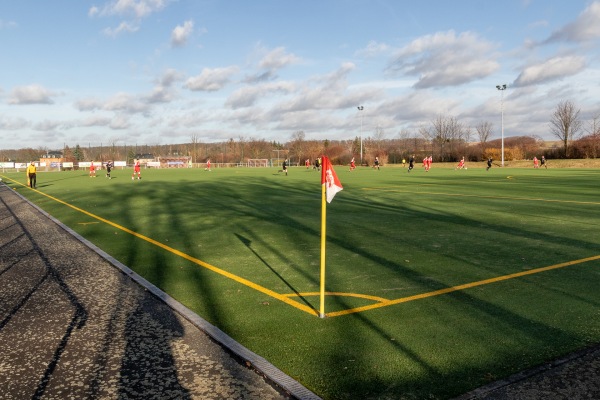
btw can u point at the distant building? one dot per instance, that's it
(144, 159)
(52, 159)
(174, 161)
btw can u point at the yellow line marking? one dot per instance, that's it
(201, 263)
(461, 287)
(340, 294)
(285, 298)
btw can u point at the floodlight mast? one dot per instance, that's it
(361, 108)
(502, 88)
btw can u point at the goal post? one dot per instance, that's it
(258, 162)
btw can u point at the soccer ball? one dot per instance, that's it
(466, 168)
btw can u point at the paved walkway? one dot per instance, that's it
(77, 324)
(575, 377)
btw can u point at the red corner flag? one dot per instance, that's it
(329, 179)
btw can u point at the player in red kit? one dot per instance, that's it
(136, 170)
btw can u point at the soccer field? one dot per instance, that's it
(437, 282)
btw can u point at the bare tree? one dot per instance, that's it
(592, 138)
(297, 145)
(565, 123)
(195, 140)
(593, 127)
(484, 131)
(378, 138)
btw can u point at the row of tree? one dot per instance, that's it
(445, 138)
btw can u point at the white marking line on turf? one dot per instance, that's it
(487, 197)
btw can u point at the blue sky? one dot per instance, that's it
(162, 71)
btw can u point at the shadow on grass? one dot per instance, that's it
(446, 366)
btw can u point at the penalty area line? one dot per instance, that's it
(465, 286)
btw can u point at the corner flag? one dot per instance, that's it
(330, 185)
(330, 180)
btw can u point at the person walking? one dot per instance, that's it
(92, 170)
(109, 167)
(31, 175)
(411, 163)
(285, 166)
(543, 162)
(376, 164)
(352, 164)
(137, 170)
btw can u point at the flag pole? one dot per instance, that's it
(323, 240)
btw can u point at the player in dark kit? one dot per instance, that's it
(109, 166)
(411, 163)
(489, 163)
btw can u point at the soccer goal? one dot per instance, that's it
(258, 162)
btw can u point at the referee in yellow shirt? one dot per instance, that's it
(31, 175)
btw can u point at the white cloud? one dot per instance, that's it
(373, 49)
(93, 11)
(169, 77)
(47, 125)
(181, 33)
(120, 122)
(136, 8)
(123, 27)
(211, 80)
(95, 121)
(550, 70)
(125, 103)
(277, 59)
(160, 94)
(31, 94)
(585, 28)
(121, 102)
(445, 59)
(88, 104)
(247, 96)
(12, 124)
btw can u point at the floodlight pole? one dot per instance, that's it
(360, 108)
(502, 88)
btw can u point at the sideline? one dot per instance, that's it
(287, 298)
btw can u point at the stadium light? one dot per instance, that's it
(360, 108)
(502, 88)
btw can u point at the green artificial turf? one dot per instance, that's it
(390, 234)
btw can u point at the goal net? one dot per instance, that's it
(258, 162)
